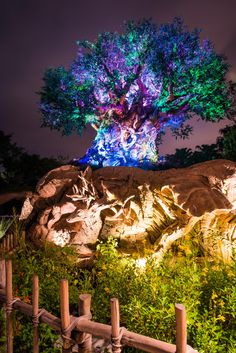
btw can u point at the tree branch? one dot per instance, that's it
(95, 127)
(109, 74)
(128, 84)
(165, 115)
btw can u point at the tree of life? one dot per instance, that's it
(132, 86)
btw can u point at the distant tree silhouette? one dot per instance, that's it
(206, 152)
(18, 169)
(227, 142)
(225, 147)
(231, 112)
(183, 157)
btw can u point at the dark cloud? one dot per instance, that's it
(39, 34)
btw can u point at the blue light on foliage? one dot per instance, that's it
(132, 86)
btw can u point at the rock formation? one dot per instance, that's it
(145, 210)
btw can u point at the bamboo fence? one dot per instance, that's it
(9, 242)
(82, 326)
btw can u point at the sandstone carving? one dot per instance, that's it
(144, 210)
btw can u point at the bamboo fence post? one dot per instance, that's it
(115, 326)
(12, 241)
(3, 286)
(9, 298)
(15, 241)
(2, 273)
(65, 315)
(7, 242)
(84, 340)
(181, 329)
(4, 244)
(35, 312)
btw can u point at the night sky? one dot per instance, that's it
(39, 34)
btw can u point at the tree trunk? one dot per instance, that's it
(121, 145)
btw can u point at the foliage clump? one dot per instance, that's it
(18, 169)
(51, 264)
(147, 294)
(223, 148)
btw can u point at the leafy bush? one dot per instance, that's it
(51, 264)
(147, 294)
(5, 223)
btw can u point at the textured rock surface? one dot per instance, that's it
(143, 209)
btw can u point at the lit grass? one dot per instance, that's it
(147, 295)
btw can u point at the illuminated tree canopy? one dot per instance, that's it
(130, 87)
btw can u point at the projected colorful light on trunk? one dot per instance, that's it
(132, 86)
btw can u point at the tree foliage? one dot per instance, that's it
(224, 148)
(18, 169)
(134, 84)
(227, 142)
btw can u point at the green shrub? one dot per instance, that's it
(147, 297)
(51, 264)
(146, 294)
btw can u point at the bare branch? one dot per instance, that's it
(131, 81)
(95, 127)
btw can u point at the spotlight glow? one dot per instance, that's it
(141, 263)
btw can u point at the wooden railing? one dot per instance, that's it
(83, 327)
(8, 243)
